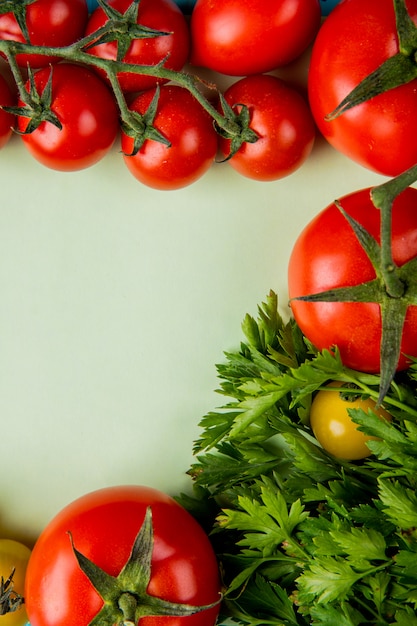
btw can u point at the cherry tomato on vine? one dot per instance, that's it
(189, 129)
(7, 120)
(52, 23)
(326, 255)
(161, 15)
(241, 37)
(103, 526)
(282, 120)
(14, 555)
(354, 40)
(333, 426)
(87, 111)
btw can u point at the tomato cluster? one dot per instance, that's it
(68, 102)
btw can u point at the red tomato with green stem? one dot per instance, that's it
(354, 40)
(173, 46)
(280, 117)
(108, 527)
(86, 111)
(242, 37)
(7, 120)
(188, 128)
(52, 23)
(328, 255)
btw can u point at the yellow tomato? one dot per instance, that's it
(333, 427)
(14, 554)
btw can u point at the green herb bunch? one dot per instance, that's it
(302, 537)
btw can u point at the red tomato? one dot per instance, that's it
(241, 37)
(188, 128)
(7, 120)
(53, 23)
(103, 526)
(282, 120)
(88, 113)
(161, 15)
(355, 39)
(326, 255)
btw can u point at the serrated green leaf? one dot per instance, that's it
(400, 503)
(327, 580)
(361, 544)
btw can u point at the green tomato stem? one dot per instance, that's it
(74, 53)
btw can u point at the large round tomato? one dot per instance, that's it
(52, 23)
(326, 255)
(182, 121)
(7, 120)
(354, 40)
(14, 556)
(161, 15)
(87, 111)
(103, 527)
(280, 117)
(241, 37)
(333, 425)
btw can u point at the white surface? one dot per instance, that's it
(116, 301)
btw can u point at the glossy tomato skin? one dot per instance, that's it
(14, 554)
(103, 525)
(282, 120)
(189, 129)
(334, 428)
(88, 113)
(328, 255)
(52, 23)
(7, 120)
(242, 37)
(162, 15)
(355, 39)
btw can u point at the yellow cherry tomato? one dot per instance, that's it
(333, 427)
(14, 554)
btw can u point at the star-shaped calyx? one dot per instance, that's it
(125, 596)
(394, 287)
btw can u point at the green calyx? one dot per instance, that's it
(37, 106)
(19, 11)
(123, 28)
(125, 596)
(397, 70)
(394, 287)
(237, 128)
(10, 600)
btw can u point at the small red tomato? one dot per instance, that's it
(52, 23)
(241, 37)
(7, 120)
(281, 118)
(87, 111)
(160, 15)
(189, 129)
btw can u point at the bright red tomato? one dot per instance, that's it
(88, 113)
(53, 23)
(7, 120)
(326, 255)
(282, 120)
(161, 15)
(355, 39)
(188, 128)
(241, 37)
(103, 526)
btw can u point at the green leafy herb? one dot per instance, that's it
(305, 538)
